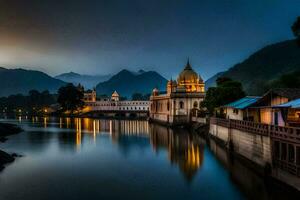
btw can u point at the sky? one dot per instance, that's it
(105, 36)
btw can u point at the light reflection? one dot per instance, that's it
(182, 149)
(45, 119)
(68, 121)
(60, 122)
(78, 132)
(94, 133)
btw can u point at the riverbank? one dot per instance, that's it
(255, 145)
(7, 129)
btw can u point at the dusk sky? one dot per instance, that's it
(104, 36)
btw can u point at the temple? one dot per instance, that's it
(181, 100)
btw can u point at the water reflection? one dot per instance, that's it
(183, 149)
(126, 152)
(249, 182)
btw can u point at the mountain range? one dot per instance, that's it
(21, 81)
(263, 66)
(126, 83)
(88, 81)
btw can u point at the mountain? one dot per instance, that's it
(265, 65)
(126, 83)
(87, 81)
(211, 82)
(14, 81)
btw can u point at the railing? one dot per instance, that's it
(291, 167)
(252, 127)
(289, 134)
(220, 121)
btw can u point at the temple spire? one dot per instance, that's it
(188, 66)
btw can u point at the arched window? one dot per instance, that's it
(168, 106)
(181, 104)
(195, 104)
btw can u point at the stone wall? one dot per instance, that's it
(254, 147)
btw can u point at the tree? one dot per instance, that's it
(140, 97)
(225, 92)
(296, 29)
(288, 80)
(123, 98)
(31, 104)
(38, 100)
(137, 96)
(70, 97)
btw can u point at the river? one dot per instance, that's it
(71, 158)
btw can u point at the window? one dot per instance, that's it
(168, 106)
(236, 111)
(181, 104)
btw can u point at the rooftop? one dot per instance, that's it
(292, 104)
(243, 103)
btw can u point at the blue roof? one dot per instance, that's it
(243, 103)
(291, 104)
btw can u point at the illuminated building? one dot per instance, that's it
(181, 101)
(89, 96)
(112, 106)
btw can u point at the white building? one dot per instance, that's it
(114, 104)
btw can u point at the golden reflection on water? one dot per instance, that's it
(78, 132)
(182, 148)
(45, 121)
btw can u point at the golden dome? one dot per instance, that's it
(188, 75)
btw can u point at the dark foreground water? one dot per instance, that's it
(104, 159)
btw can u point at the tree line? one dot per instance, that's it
(33, 102)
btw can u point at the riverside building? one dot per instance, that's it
(181, 101)
(113, 106)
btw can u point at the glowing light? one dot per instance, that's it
(45, 122)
